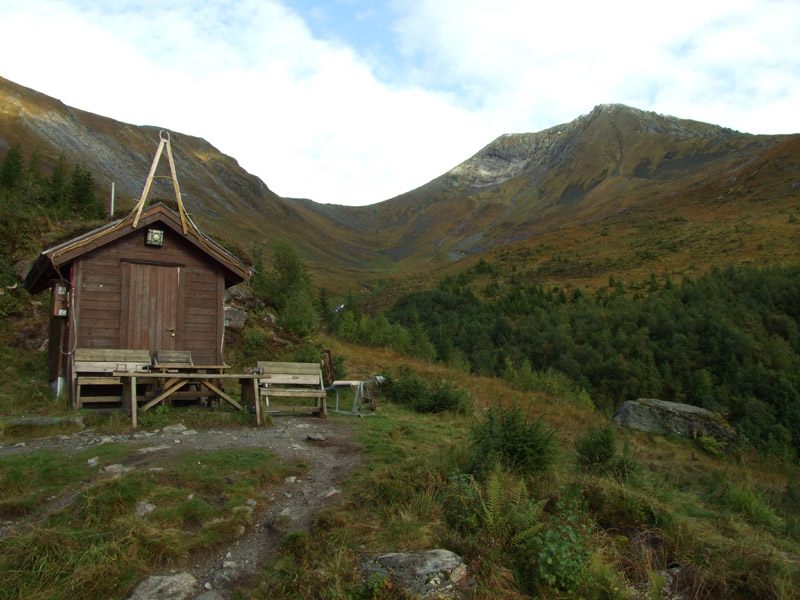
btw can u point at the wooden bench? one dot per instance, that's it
(290, 380)
(93, 371)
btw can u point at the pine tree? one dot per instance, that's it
(324, 308)
(56, 195)
(81, 193)
(12, 167)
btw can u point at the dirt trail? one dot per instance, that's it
(292, 504)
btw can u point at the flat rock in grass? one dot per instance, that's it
(144, 508)
(316, 437)
(673, 418)
(117, 469)
(330, 492)
(426, 575)
(174, 429)
(165, 587)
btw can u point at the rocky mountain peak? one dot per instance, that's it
(512, 154)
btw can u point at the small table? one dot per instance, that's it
(359, 394)
(175, 381)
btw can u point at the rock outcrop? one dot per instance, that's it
(685, 420)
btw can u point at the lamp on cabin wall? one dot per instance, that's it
(155, 237)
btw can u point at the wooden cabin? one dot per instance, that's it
(151, 284)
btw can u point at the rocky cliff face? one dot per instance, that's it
(511, 155)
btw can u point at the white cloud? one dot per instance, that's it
(318, 118)
(543, 63)
(305, 115)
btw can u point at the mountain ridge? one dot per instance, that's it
(520, 189)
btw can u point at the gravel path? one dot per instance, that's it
(326, 446)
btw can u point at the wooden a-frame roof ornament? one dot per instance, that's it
(48, 266)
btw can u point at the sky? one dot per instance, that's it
(357, 101)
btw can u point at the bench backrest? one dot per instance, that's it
(174, 358)
(291, 373)
(108, 360)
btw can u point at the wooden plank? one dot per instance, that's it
(250, 396)
(292, 393)
(101, 310)
(201, 313)
(222, 394)
(90, 337)
(112, 355)
(205, 285)
(97, 337)
(101, 338)
(206, 326)
(290, 367)
(86, 367)
(174, 357)
(101, 261)
(98, 283)
(98, 399)
(166, 394)
(82, 380)
(100, 324)
(193, 394)
(132, 401)
(290, 379)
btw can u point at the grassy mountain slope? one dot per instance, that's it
(522, 187)
(617, 189)
(223, 198)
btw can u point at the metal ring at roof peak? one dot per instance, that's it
(163, 133)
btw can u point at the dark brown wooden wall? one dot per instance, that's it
(99, 285)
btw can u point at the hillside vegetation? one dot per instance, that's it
(727, 340)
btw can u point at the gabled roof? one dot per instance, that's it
(51, 261)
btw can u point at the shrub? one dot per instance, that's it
(255, 342)
(597, 448)
(442, 396)
(411, 390)
(563, 552)
(408, 388)
(710, 445)
(506, 436)
(597, 452)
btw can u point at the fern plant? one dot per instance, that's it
(507, 514)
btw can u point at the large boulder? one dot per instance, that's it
(424, 575)
(685, 420)
(235, 318)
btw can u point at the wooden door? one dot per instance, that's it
(150, 306)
